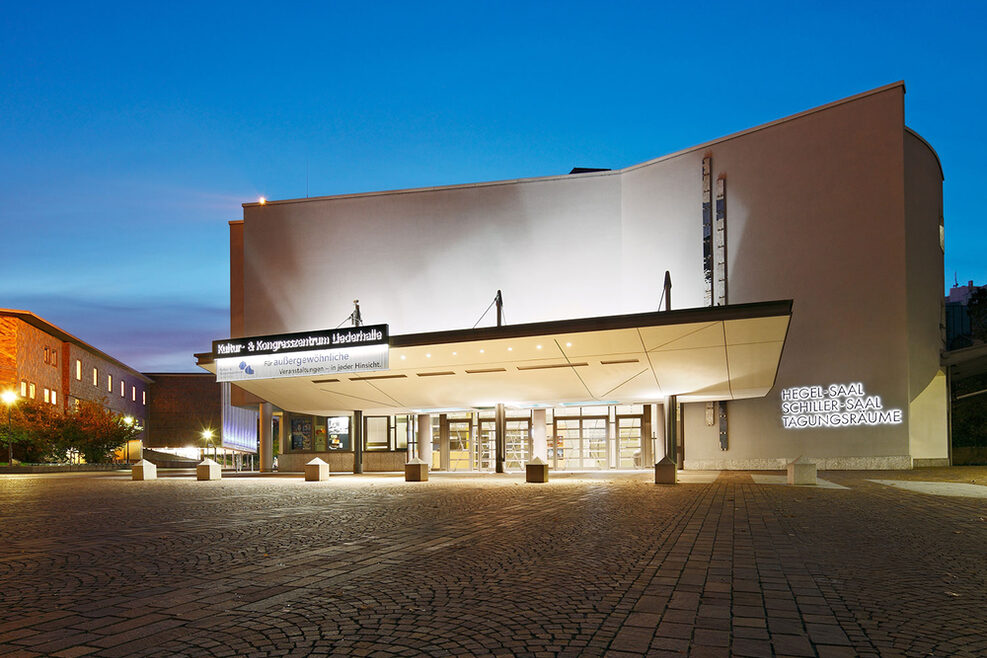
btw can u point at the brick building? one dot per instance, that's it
(40, 361)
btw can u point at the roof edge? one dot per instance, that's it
(40, 323)
(578, 325)
(935, 154)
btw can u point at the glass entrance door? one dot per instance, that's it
(486, 446)
(518, 440)
(580, 443)
(629, 442)
(518, 444)
(461, 448)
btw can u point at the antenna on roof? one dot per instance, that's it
(666, 293)
(355, 315)
(956, 280)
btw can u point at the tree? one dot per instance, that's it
(95, 431)
(36, 429)
(976, 308)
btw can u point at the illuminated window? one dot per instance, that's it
(377, 432)
(133, 393)
(78, 370)
(144, 397)
(31, 390)
(54, 397)
(95, 377)
(109, 383)
(123, 389)
(23, 388)
(47, 395)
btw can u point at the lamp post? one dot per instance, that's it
(128, 421)
(207, 435)
(9, 398)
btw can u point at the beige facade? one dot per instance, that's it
(838, 209)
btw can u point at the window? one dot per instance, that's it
(54, 397)
(54, 357)
(47, 355)
(31, 390)
(23, 388)
(78, 370)
(95, 377)
(377, 432)
(123, 389)
(133, 393)
(144, 398)
(47, 395)
(109, 383)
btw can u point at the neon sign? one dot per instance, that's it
(836, 405)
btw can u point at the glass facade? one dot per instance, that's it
(577, 438)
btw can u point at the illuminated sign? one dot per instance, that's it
(836, 405)
(304, 354)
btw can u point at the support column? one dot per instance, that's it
(647, 453)
(671, 428)
(539, 435)
(443, 442)
(500, 436)
(266, 439)
(425, 438)
(658, 432)
(357, 437)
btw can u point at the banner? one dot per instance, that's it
(305, 354)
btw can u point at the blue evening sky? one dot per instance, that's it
(130, 133)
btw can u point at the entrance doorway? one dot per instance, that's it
(580, 443)
(518, 444)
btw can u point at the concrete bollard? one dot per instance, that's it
(316, 471)
(666, 471)
(802, 471)
(416, 470)
(536, 470)
(144, 470)
(207, 469)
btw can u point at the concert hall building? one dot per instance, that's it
(804, 315)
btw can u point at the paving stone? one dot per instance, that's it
(481, 566)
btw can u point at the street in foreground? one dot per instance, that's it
(721, 564)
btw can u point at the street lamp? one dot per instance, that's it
(9, 398)
(207, 435)
(128, 421)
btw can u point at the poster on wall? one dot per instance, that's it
(301, 433)
(338, 429)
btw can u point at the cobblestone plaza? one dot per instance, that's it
(867, 563)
